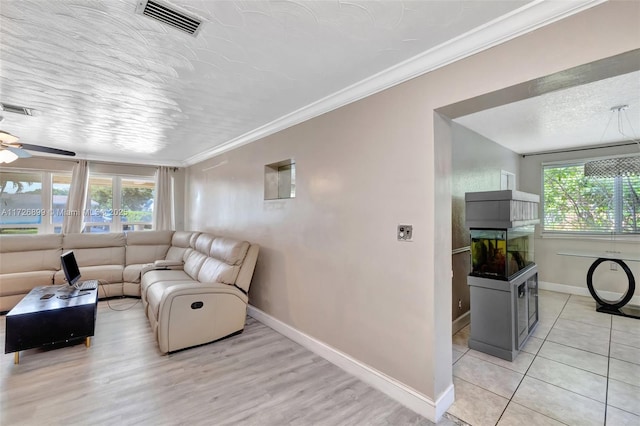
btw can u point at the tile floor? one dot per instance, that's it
(579, 367)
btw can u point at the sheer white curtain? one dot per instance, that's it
(163, 202)
(73, 221)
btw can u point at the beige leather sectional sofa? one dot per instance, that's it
(193, 285)
(205, 299)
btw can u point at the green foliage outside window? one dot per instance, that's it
(574, 202)
(103, 195)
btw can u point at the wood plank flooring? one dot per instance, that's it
(256, 378)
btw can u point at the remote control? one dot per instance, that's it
(47, 296)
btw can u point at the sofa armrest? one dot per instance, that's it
(161, 264)
(196, 288)
(168, 264)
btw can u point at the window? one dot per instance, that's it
(33, 202)
(137, 202)
(574, 202)
(21, 204)
(98, 214)
(117, 203)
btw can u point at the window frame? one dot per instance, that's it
(45, 186)
(141, 224)
(117, 224)
(50, 227)
(591, 234)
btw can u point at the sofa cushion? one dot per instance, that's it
(23, 282)
(193, 263)
(153, 277)
(74, 241)
(183, 238)
(214, 270)
(146, 238)
(133, 273)
(105, 274)
(25, 253)
(13, 243)
(203, 243)
(181, 243)
(96, 249)
(146, 246)
(229, 250)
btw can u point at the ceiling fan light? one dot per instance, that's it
(7, 156)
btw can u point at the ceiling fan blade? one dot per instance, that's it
(47, 149)
(7, 137)
(21, 153)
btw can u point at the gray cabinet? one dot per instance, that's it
(503, 313)
(503, 282)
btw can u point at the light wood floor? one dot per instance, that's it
(256, 378)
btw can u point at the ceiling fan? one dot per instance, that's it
(11, 149)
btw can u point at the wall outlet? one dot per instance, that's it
(405, 232)
(613, 266)
(459, 303)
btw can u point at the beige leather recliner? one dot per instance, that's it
(205, 299)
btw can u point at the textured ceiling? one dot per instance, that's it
(114, 85)
(569, 118)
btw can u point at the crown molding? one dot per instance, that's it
(523, 20)
(142, 161)
(138, 161)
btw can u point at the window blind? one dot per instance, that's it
(575, 201)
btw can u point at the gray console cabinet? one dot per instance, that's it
(503, 283)
(503, 313)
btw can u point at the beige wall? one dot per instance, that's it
(476, 166)
(330, 265)
(572, 271)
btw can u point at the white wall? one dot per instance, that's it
(330, 265)
(572, 271)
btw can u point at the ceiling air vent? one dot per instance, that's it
(16, 109)
(169, 15)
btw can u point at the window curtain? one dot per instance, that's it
(163, 202)
(73, 219)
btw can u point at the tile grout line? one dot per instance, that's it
(544, 340)
(606, 392)
(569, 365)
(529, 367)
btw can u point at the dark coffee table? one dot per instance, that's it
(37, 321)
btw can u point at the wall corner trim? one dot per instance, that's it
(410, 398)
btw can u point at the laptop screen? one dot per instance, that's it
(70, 267)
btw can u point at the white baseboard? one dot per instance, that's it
(584, 291)
(396, 390)
(461, 322)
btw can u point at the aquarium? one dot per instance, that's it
(501, 253)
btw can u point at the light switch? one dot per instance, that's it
(405, 232)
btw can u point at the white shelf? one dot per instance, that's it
(613, 255)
